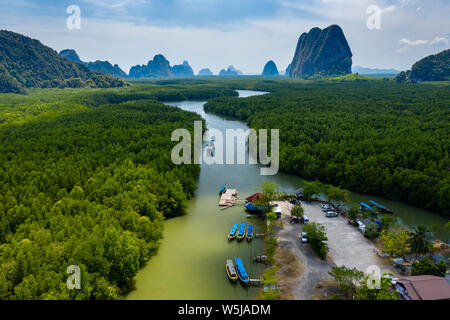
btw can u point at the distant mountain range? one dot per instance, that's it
(183, 70)
(27, 63)
(160, 67)
(230, 72)
(205, 73)
(369, 71)
(101, 66)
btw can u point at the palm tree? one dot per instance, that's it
(419, 240)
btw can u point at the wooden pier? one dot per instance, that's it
(255, 282)
(228, 198)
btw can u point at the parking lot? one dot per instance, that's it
(347, 245)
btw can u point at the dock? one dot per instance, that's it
(228, 198)
(255, 282)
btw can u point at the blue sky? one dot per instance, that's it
(218, 33)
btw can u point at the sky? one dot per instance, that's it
(244, 33)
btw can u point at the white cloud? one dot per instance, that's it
(413, 42)
(439, 40)
(388, 9)
(109, 3)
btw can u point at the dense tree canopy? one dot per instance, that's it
(376, 137)
(87, 179)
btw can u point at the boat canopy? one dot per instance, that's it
(241, 229)
(378, 205)
(250, 230)
(254, 197)
(367, 206)
(253, 207)
(241, 269)
(233, 229)
(230, 267)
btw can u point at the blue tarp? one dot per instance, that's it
(241, 229)
(253, 207)
(378, 205)
(223, 188)
(233, 230)
(241, 269)
(367, 206)
(250, 231)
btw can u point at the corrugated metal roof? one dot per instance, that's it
(426, 287)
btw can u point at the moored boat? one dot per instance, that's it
(242, 274)
(241, 232)
(381, 207)
(250, 233)
(252, 207)
(232, 233)
(231, 271)
(366, 207)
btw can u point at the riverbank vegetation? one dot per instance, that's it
(87, 180)
(373, 137)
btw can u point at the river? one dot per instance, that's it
(190, 263)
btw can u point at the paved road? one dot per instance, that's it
(315, 270)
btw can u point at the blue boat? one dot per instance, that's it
(366, 207)
(250, 233)
(232, 233)
(381, 207)
(255, 208)
(241, 232)
(242, 274)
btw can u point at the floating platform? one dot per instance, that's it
(228, 198)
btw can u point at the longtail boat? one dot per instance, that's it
(242, 274)
(232, 233)
(231, 271)
(252, 207)
(250, 233)
(241, 232)
(366, 207)
(381, 207)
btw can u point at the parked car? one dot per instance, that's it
(304, 219)
(326, 207)
(294, 220)
(294, 201)
(331, 214)
(305, 237)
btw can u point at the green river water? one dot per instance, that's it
(190, 263)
